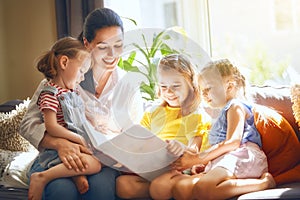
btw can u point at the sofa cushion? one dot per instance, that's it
(292, 175)
(279, 141)
(277, 98)
(5, 158)
(15, 171)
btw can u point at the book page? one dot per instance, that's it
(137, 149)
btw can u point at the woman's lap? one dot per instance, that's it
(102, 185)
(61, 189)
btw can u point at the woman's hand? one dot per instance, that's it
(187, 160)
(71, 154)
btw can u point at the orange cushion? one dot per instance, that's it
(279, 141)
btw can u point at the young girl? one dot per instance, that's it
(177, 119)
(102, 33)
(61, 107)
(235, 160)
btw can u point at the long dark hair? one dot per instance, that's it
(97, 19)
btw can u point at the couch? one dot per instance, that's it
(281, 143)
(280, 137)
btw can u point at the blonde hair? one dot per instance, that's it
(48, 63)
(182, 64)
(227, 70)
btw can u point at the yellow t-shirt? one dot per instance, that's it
(168, 124)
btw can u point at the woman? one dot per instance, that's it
(103, 37)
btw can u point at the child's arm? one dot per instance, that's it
(197, 131)
(236, 116)
(56, 130)
(195, 144)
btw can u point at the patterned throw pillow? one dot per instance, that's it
(10, 139)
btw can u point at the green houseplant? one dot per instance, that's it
(144, 56)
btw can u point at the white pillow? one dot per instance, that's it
(15, 173)
(6, 157)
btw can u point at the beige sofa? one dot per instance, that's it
(278, 98)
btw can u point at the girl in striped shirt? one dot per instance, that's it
(62, 111)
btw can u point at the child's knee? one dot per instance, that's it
(182, 189)
(123, 187)
(160, 188)
(203, 190)
(94, 164)
(156, 185)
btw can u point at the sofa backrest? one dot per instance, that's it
(278, 98)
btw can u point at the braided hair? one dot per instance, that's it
(228, 70)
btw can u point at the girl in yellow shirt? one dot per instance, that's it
(178, 119)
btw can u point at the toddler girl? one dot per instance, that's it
(61, 108)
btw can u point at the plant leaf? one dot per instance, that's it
(132, 20)
(157, 41)
(166, 50)
(142, 51)
(128, 67)
(147, 89)
(131, 57)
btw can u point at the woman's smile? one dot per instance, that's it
(110, 61)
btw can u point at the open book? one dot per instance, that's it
(136, 148)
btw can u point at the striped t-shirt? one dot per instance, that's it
(48, 100)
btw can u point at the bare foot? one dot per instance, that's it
(36, 186)
(81, 183)
(269, 180)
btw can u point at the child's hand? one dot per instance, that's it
(187, 160)
(192, 150)
(197, 169)
(175, 147)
